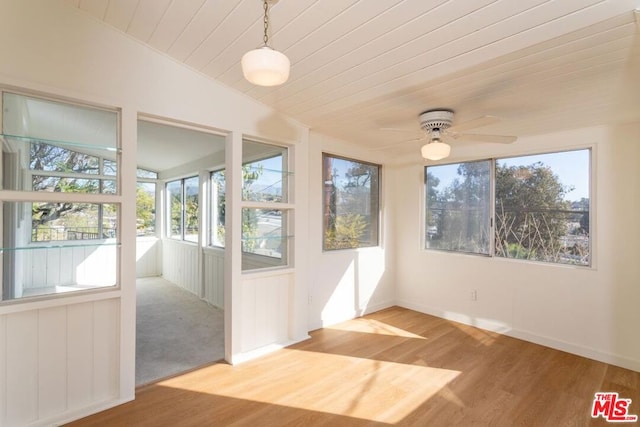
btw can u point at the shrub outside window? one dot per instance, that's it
(542, 207)
(350, 203)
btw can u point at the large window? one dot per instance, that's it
(540, 207)
(350, 203)
(182, 209)
(60, 200)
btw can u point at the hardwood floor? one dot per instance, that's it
(393, 367)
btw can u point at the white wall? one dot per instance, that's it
(344, 284)
(589, 311)
(54, 49)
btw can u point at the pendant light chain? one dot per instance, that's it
(265, 66)
(266, 22)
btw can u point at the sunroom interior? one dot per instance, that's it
(230, 196)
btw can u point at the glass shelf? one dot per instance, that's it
(269, 170)
(267, 238)
(61, 246)
(59, 143)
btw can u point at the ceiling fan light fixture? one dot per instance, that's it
(435, 150)
(265, 66)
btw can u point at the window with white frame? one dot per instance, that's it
(350, 203)
(146, 202)
(217, 210)
(539, 206)
(266, 207)
(183, 209)
(60, 203)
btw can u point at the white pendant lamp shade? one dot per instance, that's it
(435, 150)
(265, 66)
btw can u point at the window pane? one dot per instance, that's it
(264, 238)
(146, 208)
(264, 172)
(88, 129)
(55, 139)
(72, 221)
(350, 203)
(542, 207)
(47, 157)
(218, 201)
(65, 185)
(191, 209)
(109, 167)
(72, 246)
(143, 173)
(458, 209)
(174, 199)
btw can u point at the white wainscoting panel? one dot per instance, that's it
(52, 361)
(180, 265)
(58, 359)
(265, 309)
(214, 276)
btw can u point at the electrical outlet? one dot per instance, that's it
(474, 295)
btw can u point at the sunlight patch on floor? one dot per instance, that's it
(372, 326)
(363, 388)
(485, 331)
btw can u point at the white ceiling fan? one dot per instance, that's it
(438, 126)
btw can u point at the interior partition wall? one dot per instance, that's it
(62, 258)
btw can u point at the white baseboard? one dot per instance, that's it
(262, 351)
(77, 414)
(576, 349)
(362, 311)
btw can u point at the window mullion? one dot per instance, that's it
(492, 209)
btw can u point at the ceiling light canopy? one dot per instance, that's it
(265, 66)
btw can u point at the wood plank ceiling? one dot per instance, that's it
(357, 65)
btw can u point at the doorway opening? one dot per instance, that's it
(180, 276)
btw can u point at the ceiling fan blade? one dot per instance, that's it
(496, 139)
(396, 144)
(475, 123)
(387, 129)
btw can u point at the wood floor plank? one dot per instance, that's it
(393, 367)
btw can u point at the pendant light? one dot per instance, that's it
(265, 66)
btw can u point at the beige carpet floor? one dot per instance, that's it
(175, 331)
